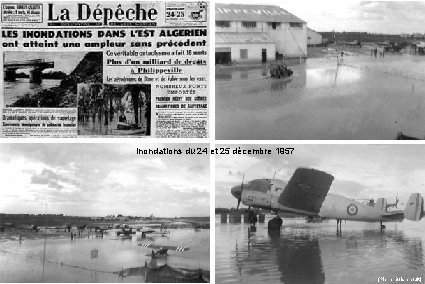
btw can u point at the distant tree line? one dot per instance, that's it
(60, 219)
(40, 219)
(332, 37)
(53, 75)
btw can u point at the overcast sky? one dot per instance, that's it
(360, 171)
(102, 179)
(390, 17)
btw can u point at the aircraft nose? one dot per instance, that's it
(236, 191)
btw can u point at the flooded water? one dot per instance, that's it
(70, 261)
(362, 98)
(98, 127)
(315, 253)
(15, 90)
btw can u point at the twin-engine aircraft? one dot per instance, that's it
(352, 43)
(306, 193)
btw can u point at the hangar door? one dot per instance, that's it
(223, 55)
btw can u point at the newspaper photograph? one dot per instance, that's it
(104, 69)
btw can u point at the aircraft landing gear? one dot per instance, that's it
(338, 227)
(382, 226)
(275, 224)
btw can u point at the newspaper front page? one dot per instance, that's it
(87, 69)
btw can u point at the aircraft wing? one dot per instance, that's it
(154, 246)
(147, 231)
(306, 191)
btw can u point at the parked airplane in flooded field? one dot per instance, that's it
(306, 193)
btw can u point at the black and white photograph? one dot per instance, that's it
(117, 110)
(104, 213)
(48, 79)
(319, 213)
(327, 70)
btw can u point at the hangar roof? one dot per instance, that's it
(258, 13)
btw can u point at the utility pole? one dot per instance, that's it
(44, 250)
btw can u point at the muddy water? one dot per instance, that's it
(315, 253)
(362, 98)
(70, 261)
(18, 89)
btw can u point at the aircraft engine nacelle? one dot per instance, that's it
(414, 207)
(256, 199)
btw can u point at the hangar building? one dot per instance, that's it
(313, 38)
(257, 33)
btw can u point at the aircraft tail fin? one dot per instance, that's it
(414, 208)
(381, 203)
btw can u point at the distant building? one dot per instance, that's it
(110, 218)
(257, 33)
(313, 38)
(418, 36)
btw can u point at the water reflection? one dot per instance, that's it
(19, 88)
(71, 261)
(317, 253)
(279, 85)
(361, 98)
(332, 76)
(299, 259)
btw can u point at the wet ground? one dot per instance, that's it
(363, 97)
(70, 261)
(315, 253)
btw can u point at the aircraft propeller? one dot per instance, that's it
(240, 196)
(394, 204)
(396, 200)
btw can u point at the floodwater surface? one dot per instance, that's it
(363, 97)
(71, 261)
(19, 88)
(315, 253)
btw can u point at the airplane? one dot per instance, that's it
(352, 43)
(126, 232)
(390, 46)
(154, 246)
(161, 250)
(66, 228)
(29, 228)
(148, 233)
(161, 253)
(306, 193)
(8, 225)
(161, 232)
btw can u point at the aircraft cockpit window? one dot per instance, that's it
(261, 185)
